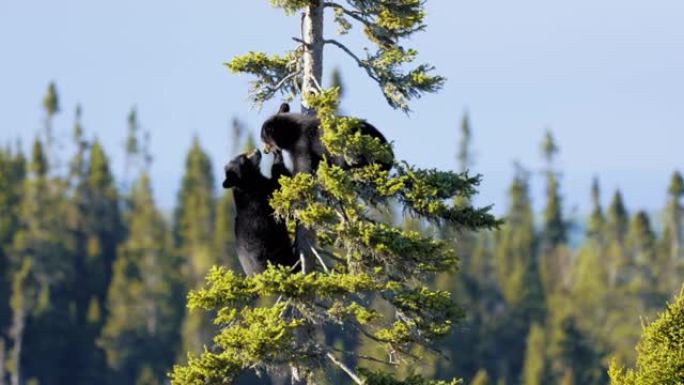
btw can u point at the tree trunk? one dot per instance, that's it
(676, 235)
(18, 334)
(312, 34)
(2, 361)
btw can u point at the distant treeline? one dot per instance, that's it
(93, 278)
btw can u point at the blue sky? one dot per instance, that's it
(607, 77)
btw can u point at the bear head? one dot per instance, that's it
(281, 132)
(243, 171)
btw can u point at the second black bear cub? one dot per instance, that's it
(300, 136)
(259, 238)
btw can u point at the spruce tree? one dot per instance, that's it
(194, 220)
(224, 239)
(138, 157)
(465, 157)
(621, 329)
(51, 106)
(554, 256)
(12, 175)
(475, 283)
(194, 214)
(660, 357)
(641, 240)
(590, 272)
(336, 82)
(596, 218)
(141, 332)
(589, 291)
(44, 265)
(88, 286)
(103, 221)
(615, 230)
(535, 369)
(132, 140)
(644, 268)
(673, 222)
(576, 357)
(617, 221)
(671, 242)
(360, 258)
(518, 276)
(515, 254)
(554, 231)
(98, 230)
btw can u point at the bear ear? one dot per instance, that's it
(284, 108)
(255, 157)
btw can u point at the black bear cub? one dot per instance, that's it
(300, 136)
(259, 238)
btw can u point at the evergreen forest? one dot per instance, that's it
(352, 266)
(94, 275)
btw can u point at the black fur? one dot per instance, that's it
(259, 238)
(299, 135)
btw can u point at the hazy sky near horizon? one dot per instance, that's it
(606, 77)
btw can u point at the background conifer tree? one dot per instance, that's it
(596, 219)
(51, 107)
(336, 82)
(518, 275)
(576, 359)
(103, 221)
(515, 255)
(473, 286)
(464, 156)
(12, 174)
(554, 257)
(590, 273)
(617, 219)
(44, 270)
(141, 334)
(194, 220)
(554, 227)
(535, 370)
(95, 228)
(671, 242)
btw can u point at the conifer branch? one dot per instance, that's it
(355, 15)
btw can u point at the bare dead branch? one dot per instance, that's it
(344, 368)
(283, 80)
(353, 56)
(320, 260)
